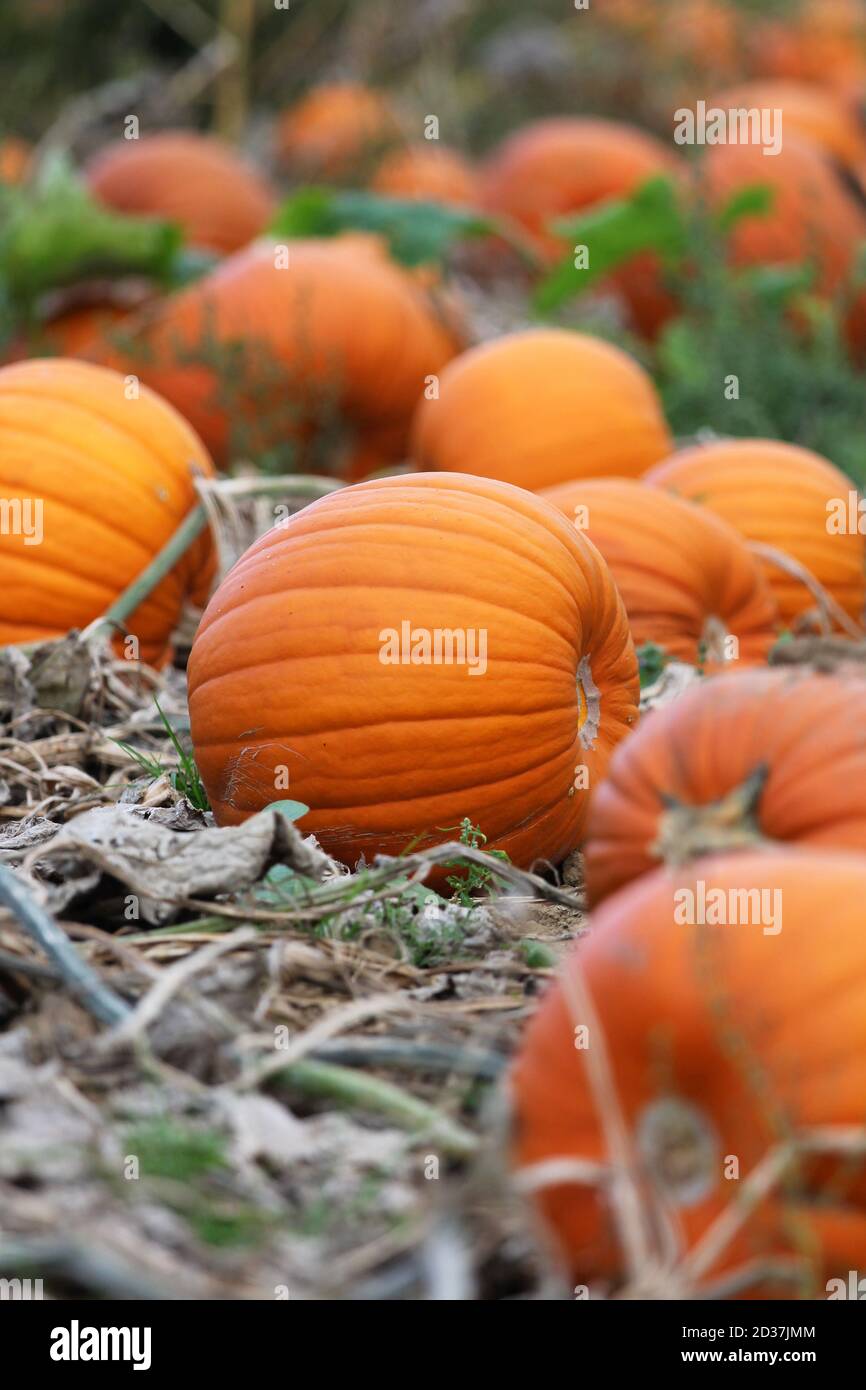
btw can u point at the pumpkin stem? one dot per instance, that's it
(713, 639)
(588, 704)
(687, 832)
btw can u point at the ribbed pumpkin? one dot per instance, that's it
(218, 199)
(713, 1045)
(427, 171)
(784, 497)
(113, 477)
(334, 129)
(758, 757)
(808, 112)
(542, 407)
(290, 687)
(554, 167)
(813, 218)
(295, 342)
(688, 580)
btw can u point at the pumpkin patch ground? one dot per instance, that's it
(432, 653)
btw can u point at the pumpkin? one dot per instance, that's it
(788, 499)
(566, 164)
(808, 112)
(689, 582)
(408, 652)
(427, 171)
(759, 757)
(334, 129)
(540, 407)
(100, 481)
(822, 43)
(15, 158)
(708, 1047)
(813, 219)
(295, 342)
(220, 201)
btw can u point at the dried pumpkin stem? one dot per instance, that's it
(354, 1088)
(828, 608)
(82, 981)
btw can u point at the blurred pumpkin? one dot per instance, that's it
(427, 171)
(15, 157)
(102, 479)
(566, 164)
(823, 42)
(783, 497)
(540, 407)
(689, 582)
(218, 199)
(761, 757)
(808, 112)
(335, 129)
(813, 218)
(294, 671)
(706, 1044)
(302, 342)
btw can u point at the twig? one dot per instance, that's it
(348, 1016)
(417, 1057)
(172, 979)
(80, 979)
(351, 1088)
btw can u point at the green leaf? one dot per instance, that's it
(612, 232)
(416, 232)
(755, 200)
(52, 233)
(292, 810)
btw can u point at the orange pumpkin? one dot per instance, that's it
(786, 498)
(335, 129)
(94, 483)
(541, 407)
(760, 757)
(299, 342)
(559, 166)
(408, 652)
(824, 42)
(708, 1047)
(813, 219)
(689, 582)
(220, 201)
(427, 171)
(15, 157)
(808, 112)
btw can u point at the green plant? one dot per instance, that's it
(476, 880)
(185, 778)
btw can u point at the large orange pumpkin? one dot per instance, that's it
(220, 201)
(427, 171)
(823, 42)
(335, 129)
(541, 407)
(785, 498)
(559, 166)
(762, 756)
(808, 112)
(708, 1048)
(310, 340)
(689, 582)
(102, 479)
(408, 652)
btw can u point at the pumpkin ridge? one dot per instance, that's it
(145, 442)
